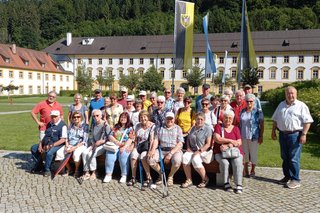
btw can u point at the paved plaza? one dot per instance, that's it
(21, 191)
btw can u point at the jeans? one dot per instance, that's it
(49, 155)
(290, 148)
(123, 158)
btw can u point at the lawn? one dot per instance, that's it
(19, 132)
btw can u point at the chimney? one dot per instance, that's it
(14, 49)
(69, 39)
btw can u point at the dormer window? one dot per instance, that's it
(26, 63)
(43, 65)
(7, 60)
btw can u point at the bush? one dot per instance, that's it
(68, 93)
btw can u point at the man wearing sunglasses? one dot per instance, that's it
(96, 103)
(205, 94)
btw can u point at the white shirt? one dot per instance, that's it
(64, 133)
(211, 119)
(292, 117)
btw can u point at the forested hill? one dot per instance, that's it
(38, 23)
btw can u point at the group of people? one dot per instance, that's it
(132, 130)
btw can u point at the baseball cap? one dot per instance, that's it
(55, 113)
(123, 89)
(142, 92)
(247, 86)
(97, 91)
(161, 98)
(206, 86)
(130, 98)
(169, 115)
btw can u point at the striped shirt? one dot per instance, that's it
(169, 137)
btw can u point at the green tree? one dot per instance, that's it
(195, 77)
(250, 76)
(217, 80)
(84, 81)
(130, 81)
(108, 80)
(100, 80)
(152, 80)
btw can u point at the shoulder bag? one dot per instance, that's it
(231, 152)
(111, 146)
(144, 145)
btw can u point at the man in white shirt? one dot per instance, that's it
(293, 119)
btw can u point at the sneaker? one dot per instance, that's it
(159, 181)
(123, 179)
(227, 187)
(47, 174)
(107, 179)
(284, 181)
(239, 189)
(292, 184)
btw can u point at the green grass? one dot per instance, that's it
(60, 99)
(9, 108)
(19, 132)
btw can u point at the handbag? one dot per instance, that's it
(144, 145)
(207, 157)
(231, 152)
(112, 147)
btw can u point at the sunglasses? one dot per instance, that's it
(249, 101)
(76, 116)
(160, 102)
(167, 92)
(205, 104)
(96, 115)
(187, 102)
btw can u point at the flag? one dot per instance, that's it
(247, 53)
(210, 66)
(223, 80)
(183, 34)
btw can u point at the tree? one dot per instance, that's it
(100, 80)
(84, 80)
(250, 76)
(130, 81)
(217, 80)
(152, 80)
(195, 77)
(108, 81)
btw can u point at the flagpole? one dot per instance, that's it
(174, 47)
(225, 68)
(241, 44)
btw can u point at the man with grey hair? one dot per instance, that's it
(44, 108)
(228, 92)
(293, 119)
(237, 105)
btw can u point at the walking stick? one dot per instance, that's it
(165, 191)
(141, 175)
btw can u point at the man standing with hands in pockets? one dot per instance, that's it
(293, 119)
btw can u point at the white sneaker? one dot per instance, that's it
(123, 179)
(107, 179)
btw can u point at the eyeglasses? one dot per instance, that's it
(96, 115)
(160, 102)
(52, 96)
(204, 104)
(76, 117)
(187, 102)
(249, 101)
(167, 92)
(224, 101)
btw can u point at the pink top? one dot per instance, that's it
(44, 109)
(234, 135)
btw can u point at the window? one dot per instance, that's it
(67, 77)
(141, 60)
(315, 74)
(53, 77)
(162, 73)
(131, 61)
(301, 59)
(161, 60)
(140, 72)
(221, 60)
(110, 73)
(315, 59)
(130, 72)
(172, 74)
(30, 75)
(26, 63)
(233, 73)
(273, 59)
(46, 90)
(21, 90)
(54, 88)
(208, 75)
(20, 74)
(261, 59)
(61, 78)
(300, 74)
(38, 76)
(7, 60)
(196, 60)
(89, 60)
(172, 60)
(47, 77)
(120, 72)
(233, 88)
(100, 72)
(67, 88)
(10, 74)
(260, 89)
(79, 61)
(43, 65)
(151, 60)
(220, 71)
(286, 59)
(110, 60)
(285, 74)
(38, 90)
(61, 88)
(1, 74)
(89, 72)
(272, 73)
(68, 64)
(30, 89)
(120, 61)
(220, 88)
(100, 61)
(184, 73)
(234, 60)
(260, 73)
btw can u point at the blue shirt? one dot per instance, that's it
(252, 124)
(95, 104)
(198, 102)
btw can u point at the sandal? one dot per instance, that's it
(86, 176)
(159, 181)
(147, 183)
(187, 183)
(170, 181)
(227, 187)
(204, 183)
(131, 182)
(239, 189)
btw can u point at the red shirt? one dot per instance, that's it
(234, 135)
(44, 109)
(237, 109)
(123, 102)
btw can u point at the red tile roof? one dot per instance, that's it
(35, 59)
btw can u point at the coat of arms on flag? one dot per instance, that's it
(185, 20)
